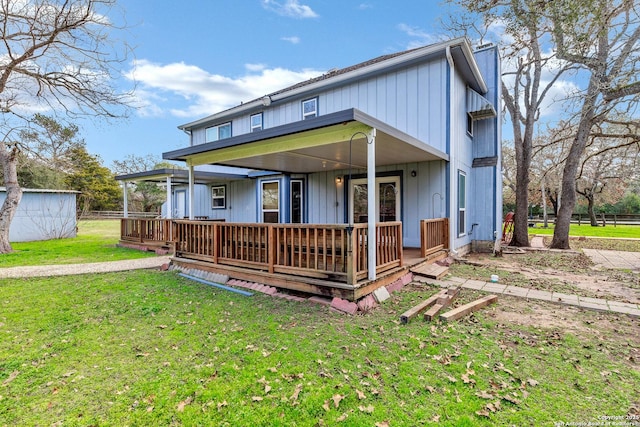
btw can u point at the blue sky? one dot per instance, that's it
(194, 58)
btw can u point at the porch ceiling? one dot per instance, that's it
(313, 145)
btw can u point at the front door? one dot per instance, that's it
(388, 200)
(181, 203)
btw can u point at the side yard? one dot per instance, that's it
(151, 348)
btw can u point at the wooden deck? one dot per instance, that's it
(321, 259)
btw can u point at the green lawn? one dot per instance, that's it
(96, 242)
(151, 348)
(621, 231)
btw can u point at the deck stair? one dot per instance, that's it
(430, 268)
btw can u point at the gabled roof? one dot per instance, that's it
(460, 51)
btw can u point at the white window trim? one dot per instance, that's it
(462, 230)
(395, 179)
(262, 209)
(302, 200)
(223, 197)
(256, 128)
(315, 112)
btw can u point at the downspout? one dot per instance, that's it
(452, 157)
(125, 200)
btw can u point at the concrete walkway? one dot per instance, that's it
(614, 259)
(632, 310)
(94, 267)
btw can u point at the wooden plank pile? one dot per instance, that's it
(442, 300)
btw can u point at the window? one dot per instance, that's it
(219, 197)
(216, 133)
(256, 122)
(462, 202)
(469, 125)
(309, 108)
(297, 201)
(271, 201)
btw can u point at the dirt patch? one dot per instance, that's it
(568, 273)
(615, 334)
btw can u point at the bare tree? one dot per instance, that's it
(530, 73)
(57, 56)
(601, 37)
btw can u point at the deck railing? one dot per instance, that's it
(434, 235)
(145, 230)
(320, 251)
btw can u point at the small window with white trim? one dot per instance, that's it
(216, 133)
(218, 197)
(309, 108)
(256, 122)
(462, 203)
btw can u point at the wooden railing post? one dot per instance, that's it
(446, 233)
(215, 243)
(351, 257)
(271, 248)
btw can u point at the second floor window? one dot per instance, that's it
(256, 122)
(216, 133)
(309, 108)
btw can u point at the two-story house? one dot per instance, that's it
(380, 149)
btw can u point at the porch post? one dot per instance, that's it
(191, 191)
(371, 205)
(125, 199)
(169, 199)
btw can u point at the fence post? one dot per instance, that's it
(604, 220)
(216, 235)
(423, 245)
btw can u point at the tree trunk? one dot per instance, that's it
(591, 210)
(568, 199)
(520, 236)
(9, 161)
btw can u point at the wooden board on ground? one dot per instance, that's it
(414, 311)
(461, 311)
(442, 302)
(432, 271)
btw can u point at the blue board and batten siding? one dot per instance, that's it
(486, 182)
(43, 215)
(411, 100)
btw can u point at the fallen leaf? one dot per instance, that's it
(12, 376)
(430, 389)
(184, 403)
(267, 388)
(326, 406)
(162, 326)
(532, 382)
(256, 399)
(337, 398)
(511, 399)
(484, 395)
(435, 419)
(367, 409)
(382, 424)
(483, 413)
(452, 379)
(360, 394)
(272, 369)
(605, 373)
(342, 417)
(222, 404)
(296, 393)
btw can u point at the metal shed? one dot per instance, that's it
(43, 215)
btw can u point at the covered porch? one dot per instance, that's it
(328, 259)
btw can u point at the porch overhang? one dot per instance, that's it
(177, 176)
(313, 145)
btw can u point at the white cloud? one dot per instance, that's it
(187, 91)
(422, 38)
(292, 40)
(364, 6)
(290, 8)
